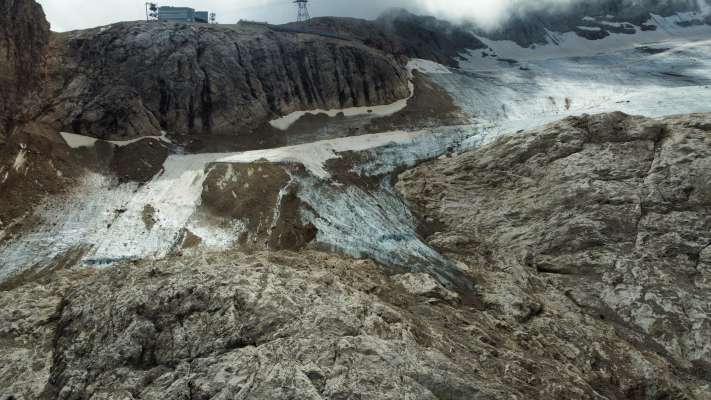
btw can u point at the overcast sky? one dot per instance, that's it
(78, 14)
(66, 15)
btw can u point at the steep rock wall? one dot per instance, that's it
(134, 79)
(24, 36)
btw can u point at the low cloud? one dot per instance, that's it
(78, 14)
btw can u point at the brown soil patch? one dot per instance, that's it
(262, 197)
(190, 240)
(149, 216)
(265, 137)
(139, 161)
(33, 166)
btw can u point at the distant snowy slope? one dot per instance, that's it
(532, 25)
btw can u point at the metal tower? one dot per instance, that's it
(151, 11)
(303, 10)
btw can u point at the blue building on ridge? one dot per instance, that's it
(182, 14)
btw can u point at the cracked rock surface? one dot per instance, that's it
(588, 250)
(135, 79)
(609, 215)
(308, 326)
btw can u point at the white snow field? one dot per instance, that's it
(651, 73)
(78, 141)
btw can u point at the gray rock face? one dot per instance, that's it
(24, 36)
(307, 325)
(610, 214)
(404, 34)
(135, 79)
(589, 253)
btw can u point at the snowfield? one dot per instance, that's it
(653, 80)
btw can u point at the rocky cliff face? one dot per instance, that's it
(24, 37)
(136, 79)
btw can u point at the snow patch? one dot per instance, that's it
(653, 79)
(20, 160)
(427, 66)
(590, 28)
(314, 155)
(76, 141)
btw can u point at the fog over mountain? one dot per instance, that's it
(78, 14)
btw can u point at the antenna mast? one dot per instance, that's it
(303, 15)
(151, 11)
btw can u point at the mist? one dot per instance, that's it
(80, 14)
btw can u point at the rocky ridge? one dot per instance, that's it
(404, 34)
(137, 79)
(610, 212)
(581, 237)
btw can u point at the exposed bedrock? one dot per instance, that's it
(24, 37)
(261, 198)
(609, 214)
(587, 241)
(136, 79)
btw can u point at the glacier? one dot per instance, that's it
(101, 221)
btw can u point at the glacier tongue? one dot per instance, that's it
(110, 222)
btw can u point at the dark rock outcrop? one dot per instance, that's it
(136, 79)
(404, 34)
(24, 37)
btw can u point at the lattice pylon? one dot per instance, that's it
(303, 10)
